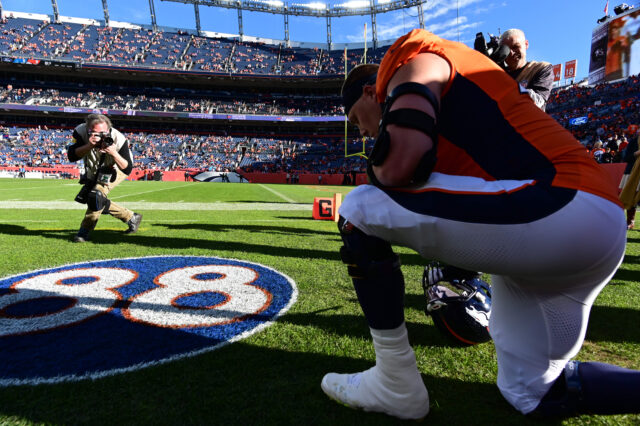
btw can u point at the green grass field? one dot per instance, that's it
(272, 377)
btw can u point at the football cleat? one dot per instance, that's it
(393, 386)
(366, 391)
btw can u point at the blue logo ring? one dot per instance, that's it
(94, 319)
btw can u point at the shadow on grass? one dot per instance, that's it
(107, 237)
(248, 384)
(609, 324)
(236, 384)
(624, 274)
(632, 259)
(240, 384)
(251, 228)
(420, 333)
(606, 324)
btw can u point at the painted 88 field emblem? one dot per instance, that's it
(94, 319)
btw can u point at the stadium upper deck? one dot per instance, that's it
(27, 39)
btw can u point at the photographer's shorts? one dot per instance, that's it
(545, 271)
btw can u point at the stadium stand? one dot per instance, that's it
(143, 47)
(207, 54)
(81, 47)
(43, 147)
(611, 111)
(16, 32)
(237, 103)
(608, 110)
(277, 143)
(165, 50)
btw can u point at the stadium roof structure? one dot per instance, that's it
(314, 9)
(279, 7)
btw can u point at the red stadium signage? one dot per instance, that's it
(570, 69)
(557, 72)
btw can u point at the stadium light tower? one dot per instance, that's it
(374, 31)
(196, 10)
(328, 32)
(420, 16)
(286, 26)
(56, 16)
(152, 9)
(105, 9)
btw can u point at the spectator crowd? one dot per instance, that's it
(602, 117)
(141, 47)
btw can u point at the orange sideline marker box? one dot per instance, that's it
(325, 208)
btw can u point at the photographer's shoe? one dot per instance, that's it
(82, 236)
(134, 223)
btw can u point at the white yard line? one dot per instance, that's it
(137, 205)
(27, 221)
(18, 188)
(284, 197)
(146, 192)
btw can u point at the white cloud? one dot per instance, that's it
(442, 7)
(434, 28)
(452, 27)
(452, 33)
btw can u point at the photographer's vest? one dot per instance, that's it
(489, 127)
(92, 159)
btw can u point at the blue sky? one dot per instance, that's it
(557, 30)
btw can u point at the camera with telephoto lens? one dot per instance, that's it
(498, 53)
(105, 140)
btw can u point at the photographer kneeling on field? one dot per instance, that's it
(107, 162)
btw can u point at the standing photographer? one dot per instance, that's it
(107, 162)
(536, 77)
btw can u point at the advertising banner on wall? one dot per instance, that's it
(598, 55)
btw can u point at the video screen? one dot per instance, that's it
(623, 47)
